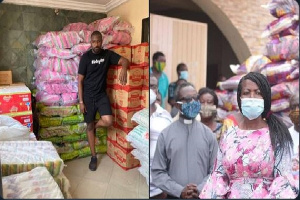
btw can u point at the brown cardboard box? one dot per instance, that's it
(111, 149)
(128, 97)
(121, 138)
(111, 93)
(135, 75)
(140, 54)
(112, 134)
(124, 158)
(124, 115)
(5, 77)
(112, 73)
(146, 76)
(124, 51)
(145, 97)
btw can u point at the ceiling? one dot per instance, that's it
(99, 6)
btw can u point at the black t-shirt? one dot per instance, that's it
(94, 67)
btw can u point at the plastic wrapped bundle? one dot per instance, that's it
(280, 91)
(12, 130)
(119, 37)
(22, 156)
(35, 184)
(286, 22)
(123, 26)
(284, 48)
(46, 75)
(62, 130)
(54, 52)
(76, 27)
(279, 72)
(104, 25)
(280, 105)
(85, 35)
(69, 99)
(48, 99)
(139, 138)
(227, 100)
(279, 8)
(62, 111)
(252, 64)
(84, 152)
(141, 117)
(64, 185)
(62, 40)
(58, 88)
(81, 48)
(231, 83)
(74, 119)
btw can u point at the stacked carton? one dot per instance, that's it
(15, 101)
(127, 100)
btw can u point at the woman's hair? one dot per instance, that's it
(206, 90)
(279, 133)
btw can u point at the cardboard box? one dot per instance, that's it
(128, 97)
(124, 51)
(124, 158)
(140, 54)
(112, 134)
(112, 75)
(146, 76)
(15, 98)
(135, 75)
(25, 118)
(111, 149)
(145, 97)
(124, 115)
(5, 77)
(121, 139)
(111, 93)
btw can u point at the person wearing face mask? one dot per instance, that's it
(208, 112)
(159, 120)
(294, 131)
(253, 158)
(182, 73)
(159, 64)
(185, 150)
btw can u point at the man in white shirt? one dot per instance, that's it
(159, 120)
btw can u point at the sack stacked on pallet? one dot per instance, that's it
(139, 139)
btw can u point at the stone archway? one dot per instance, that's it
(241, 22)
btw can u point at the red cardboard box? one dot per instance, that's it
(121, 138)
(128, 97)
(145, 97)
(146, 76)
(124, 115)
(15, 98)
(112, 134)
(111, 149)
(140, 54)
(124, 51)
(112, 75)
(111, 93)
(124, 158)
(25, 118)
(135, 75)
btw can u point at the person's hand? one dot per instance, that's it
(123, 77)
(195, 193)
(187, 193)
(82, 108)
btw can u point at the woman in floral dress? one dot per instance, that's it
(253, 159)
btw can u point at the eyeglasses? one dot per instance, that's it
(189, 99)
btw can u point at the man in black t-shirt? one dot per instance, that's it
(92, 75)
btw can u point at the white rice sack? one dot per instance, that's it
(139, 138)
(11, 129)
(141, 117)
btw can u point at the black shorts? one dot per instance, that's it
(102, 105)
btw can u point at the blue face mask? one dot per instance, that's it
(184, 75)
(190, 110)
(252, 107)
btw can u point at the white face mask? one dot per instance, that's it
(152, 97)
(252, 107)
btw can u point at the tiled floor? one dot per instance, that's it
(108, 181)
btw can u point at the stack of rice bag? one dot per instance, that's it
(64, 127)
(139, 139)
(279, 62)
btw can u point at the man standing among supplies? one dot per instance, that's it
(185, 151)
(92, 75)
(159, 64)
(159, 120)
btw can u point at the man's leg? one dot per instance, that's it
(91, 137)
(104, 121)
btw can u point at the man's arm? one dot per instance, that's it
(160, 176)
(123, 74)
(213, 150)
(80, 93)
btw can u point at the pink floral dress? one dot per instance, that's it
(247, 168)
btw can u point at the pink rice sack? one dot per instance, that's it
(123, 26)
(104, 25)
(231, 83)
(284, 48)
(278, 72)
(279, 8)
(81, 48)
(253, 63)
(54, 52)
(62, 40)
(69, 99)
(49, 76)
(55, 88)
(76, 27)
(284, 23)
(48, 99)
(280, 91)
(280, 105)
(85, 35)
(227, 100)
